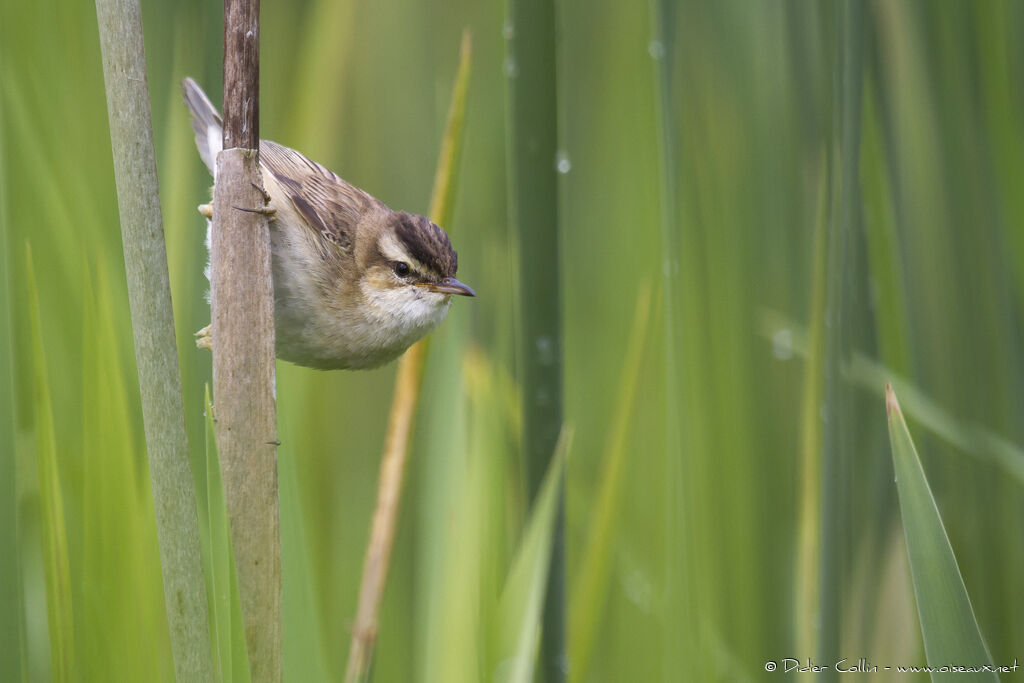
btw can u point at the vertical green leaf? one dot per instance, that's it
(663, 52)
(445, 505)
(807, 575)
(590, 589)
(117, 582)
(533, 189)
(55, 541)
(519, 611)
(950, 629)
(11, 635)
(835, 517)
(885, 262)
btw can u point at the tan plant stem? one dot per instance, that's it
(242, 308)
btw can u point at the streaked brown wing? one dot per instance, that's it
(331, 206)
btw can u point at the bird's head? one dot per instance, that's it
(410, 267)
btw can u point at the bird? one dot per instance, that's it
(355, 282)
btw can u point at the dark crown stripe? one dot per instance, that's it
(428, 244)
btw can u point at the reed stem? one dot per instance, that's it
(533, 201)
(149, 297)
(242, 311)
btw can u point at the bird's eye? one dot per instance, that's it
(401, 268)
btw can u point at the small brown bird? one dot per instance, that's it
(355, 283)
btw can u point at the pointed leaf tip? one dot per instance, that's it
(892, 406)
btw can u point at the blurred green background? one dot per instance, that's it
(702, 162)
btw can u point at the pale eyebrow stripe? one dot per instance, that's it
(392, 250)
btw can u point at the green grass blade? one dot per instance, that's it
(449, 160)
(117, 578)
(458, 621)
(950, 629)
(882, 241)
(519, 611)
(807, 573)
(492, 425)
(590, 588)
(11, 635)
(971, 439)
(533, 201)
(663, 51)
(55, 539)
(836, 435)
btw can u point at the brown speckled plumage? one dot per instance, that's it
(355, 283)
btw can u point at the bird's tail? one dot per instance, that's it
(206, 122)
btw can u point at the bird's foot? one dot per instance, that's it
(268, 210)
(204, 338)
(266, 195)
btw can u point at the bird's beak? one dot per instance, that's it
(449, 285)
